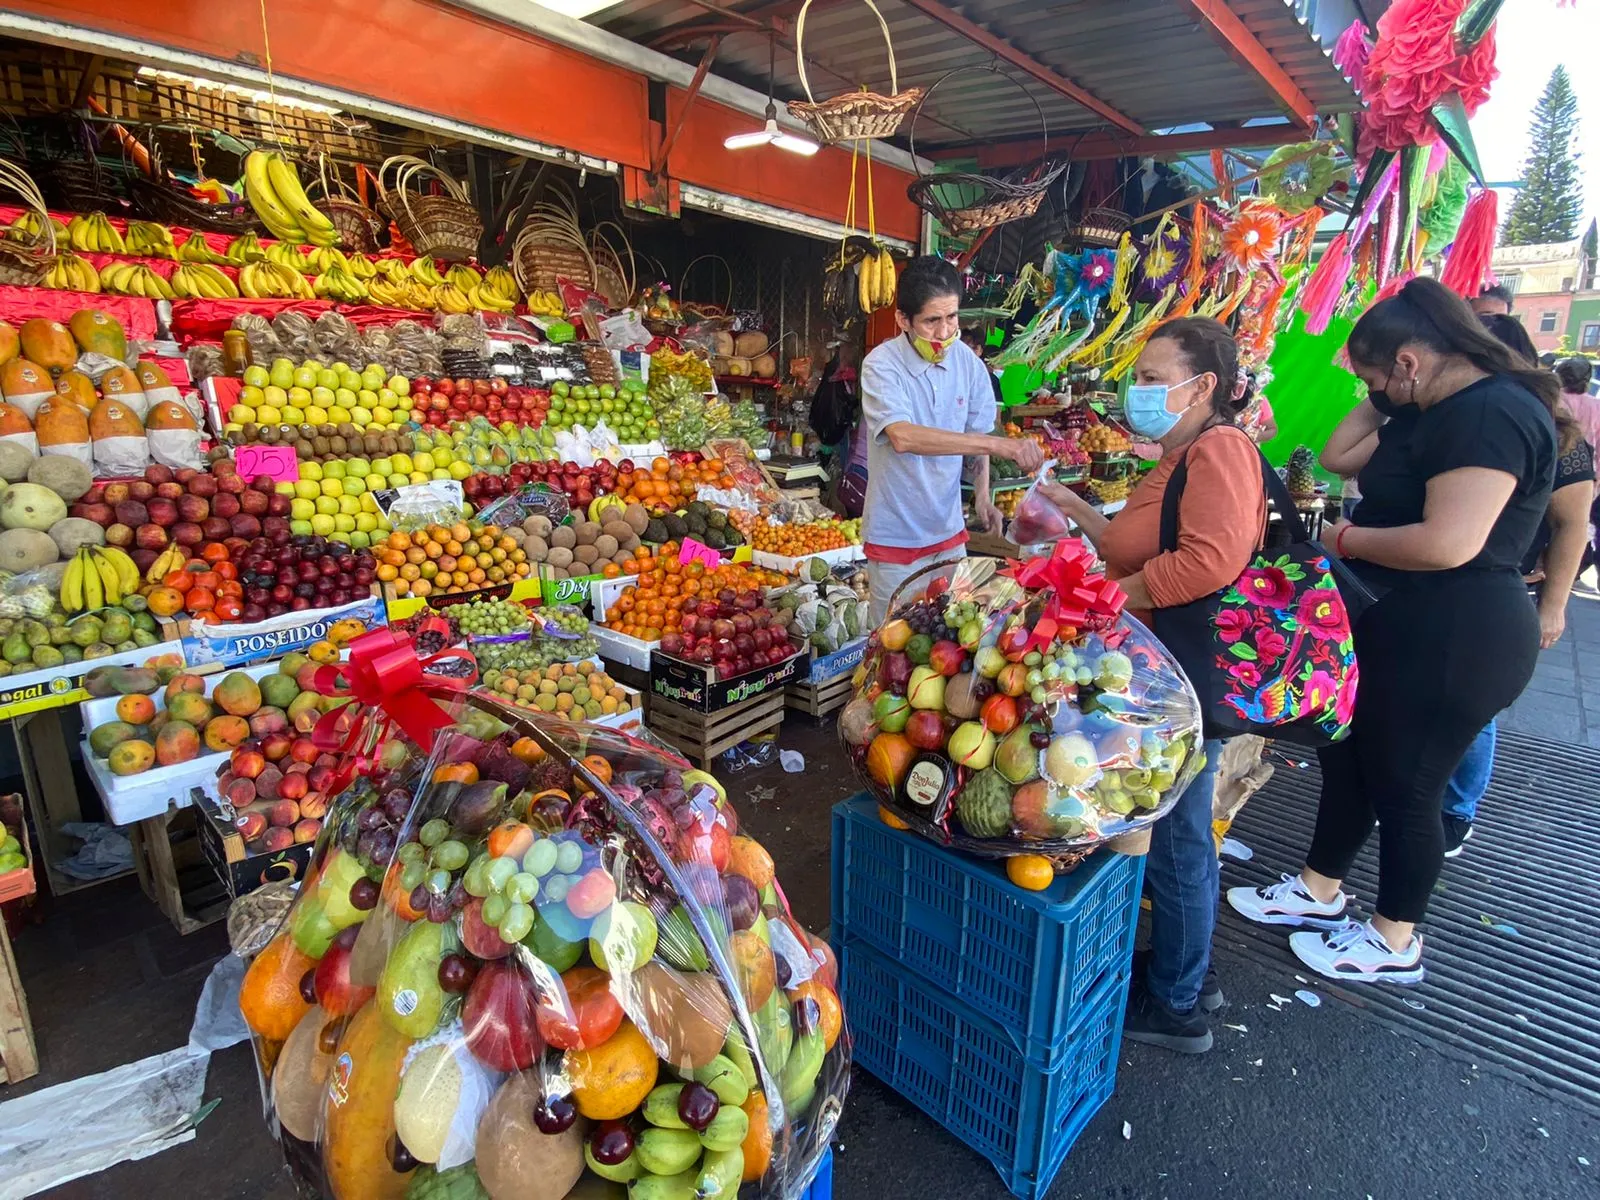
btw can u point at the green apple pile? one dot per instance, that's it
(626, 409)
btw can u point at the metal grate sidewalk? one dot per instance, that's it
(1513, 929)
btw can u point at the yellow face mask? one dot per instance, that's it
(931, 351)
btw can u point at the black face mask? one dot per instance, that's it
(1385, 406)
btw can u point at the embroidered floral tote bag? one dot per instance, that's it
(1272, 653)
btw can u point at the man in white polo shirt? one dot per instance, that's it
(927, 403)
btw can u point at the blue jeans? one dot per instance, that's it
(1470, 780)
(1181, 876)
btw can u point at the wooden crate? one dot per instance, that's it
(819, 699)
(700, 737)
(19, 1059)
(174, 872)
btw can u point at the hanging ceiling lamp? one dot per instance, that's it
(769, 134)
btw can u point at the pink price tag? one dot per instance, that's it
(694, 551)
(276, 462)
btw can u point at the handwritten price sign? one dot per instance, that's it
(278, 463)
(694, 551)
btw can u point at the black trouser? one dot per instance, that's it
(1438, 659)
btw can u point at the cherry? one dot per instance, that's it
(1039, 740)
(611, 1143)
(697, 1106)
(308, 986)
(556, 1114)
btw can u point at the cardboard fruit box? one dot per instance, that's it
(240, 871)
(697, 686)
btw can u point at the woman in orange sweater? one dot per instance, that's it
(1187, 395)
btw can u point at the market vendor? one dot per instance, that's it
(927, 403)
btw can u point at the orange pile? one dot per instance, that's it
(666, 486)
(450, 558)
(794, 541)
(654, 605)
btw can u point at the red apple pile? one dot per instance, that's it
(283, 573)
(184, 507)
(440, 402)
(732, 633)
(581, 485)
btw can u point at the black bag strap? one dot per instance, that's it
(1277, 493)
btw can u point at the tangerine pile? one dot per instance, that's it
(665, 485)
(462, 557)
(796, 541)
(207, 584)
(654, 605)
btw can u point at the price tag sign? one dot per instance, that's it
(694, 551)
(742, 555)
(276, 462)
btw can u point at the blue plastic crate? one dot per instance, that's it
(968, 1074)
(1025, 959)
(822, 1182)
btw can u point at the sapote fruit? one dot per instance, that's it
(856, 724)
(961, 698)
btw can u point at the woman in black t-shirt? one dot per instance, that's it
(1445, 516)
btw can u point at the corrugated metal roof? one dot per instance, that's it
(1155, 61)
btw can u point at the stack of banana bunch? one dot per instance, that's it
(465, 291)
(273, 281)
(273, 189)
(243, 249)
(498, 292)
(546, 304)
(71, 274)
(394, 285)
(92, 233)
(338, 282)
(26, 227)
(291, 259)
(196, 249)
(135, 279)
(203, 281)
(169, 560)
(150, 240)
(878, 280)
(97, 576)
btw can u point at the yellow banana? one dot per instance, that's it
(866, 283)
(169, 560)
(286, 187)
(245, 248)
(110, 240)
(127, 573)
(265, 201)
(110, 578)
(425, 270)
(72, 585)
(94, 591)
(222, 287)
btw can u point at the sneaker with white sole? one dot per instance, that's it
(1358, 953)
(1456, 833)
(1288, 902)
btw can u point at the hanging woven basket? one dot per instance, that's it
(27, 251)
(360, 229)
(1099, 228)
(551, 246)
(968, 201)
(445, 226)
(852, 116)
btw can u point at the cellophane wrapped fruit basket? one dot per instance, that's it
(542, 962)
(1020, 712)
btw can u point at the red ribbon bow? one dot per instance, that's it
(1078, 597)
(385, 675)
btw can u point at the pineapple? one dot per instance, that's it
(1301, 482)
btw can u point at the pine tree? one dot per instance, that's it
(1547, 207)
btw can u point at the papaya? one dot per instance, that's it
(113, 418)
(121, 383)
(170, 414)
(77, 387)
(60, 424)
(358, 1121)
(26, 384)
(155, 381)
(10, 342)
(48, 343)
(13, 421)
(98, 333)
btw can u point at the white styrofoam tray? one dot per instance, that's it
(130, 798)
(620, 648)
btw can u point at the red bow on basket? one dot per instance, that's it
(388, 679)
(1078, 598)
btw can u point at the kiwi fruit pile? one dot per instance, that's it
(318, 443)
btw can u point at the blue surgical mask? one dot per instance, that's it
(1146, 408)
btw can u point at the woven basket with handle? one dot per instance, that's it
(360, 229)
(26, 254)
(852, 116)
(445, 226)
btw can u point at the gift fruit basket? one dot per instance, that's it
(539, 960)
(1018, 711)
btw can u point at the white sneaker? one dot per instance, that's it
(1288, 903)
(1357, 953)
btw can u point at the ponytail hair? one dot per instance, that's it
(1509, 330)
(1426, 312)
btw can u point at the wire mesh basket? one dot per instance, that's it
(969, 201)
